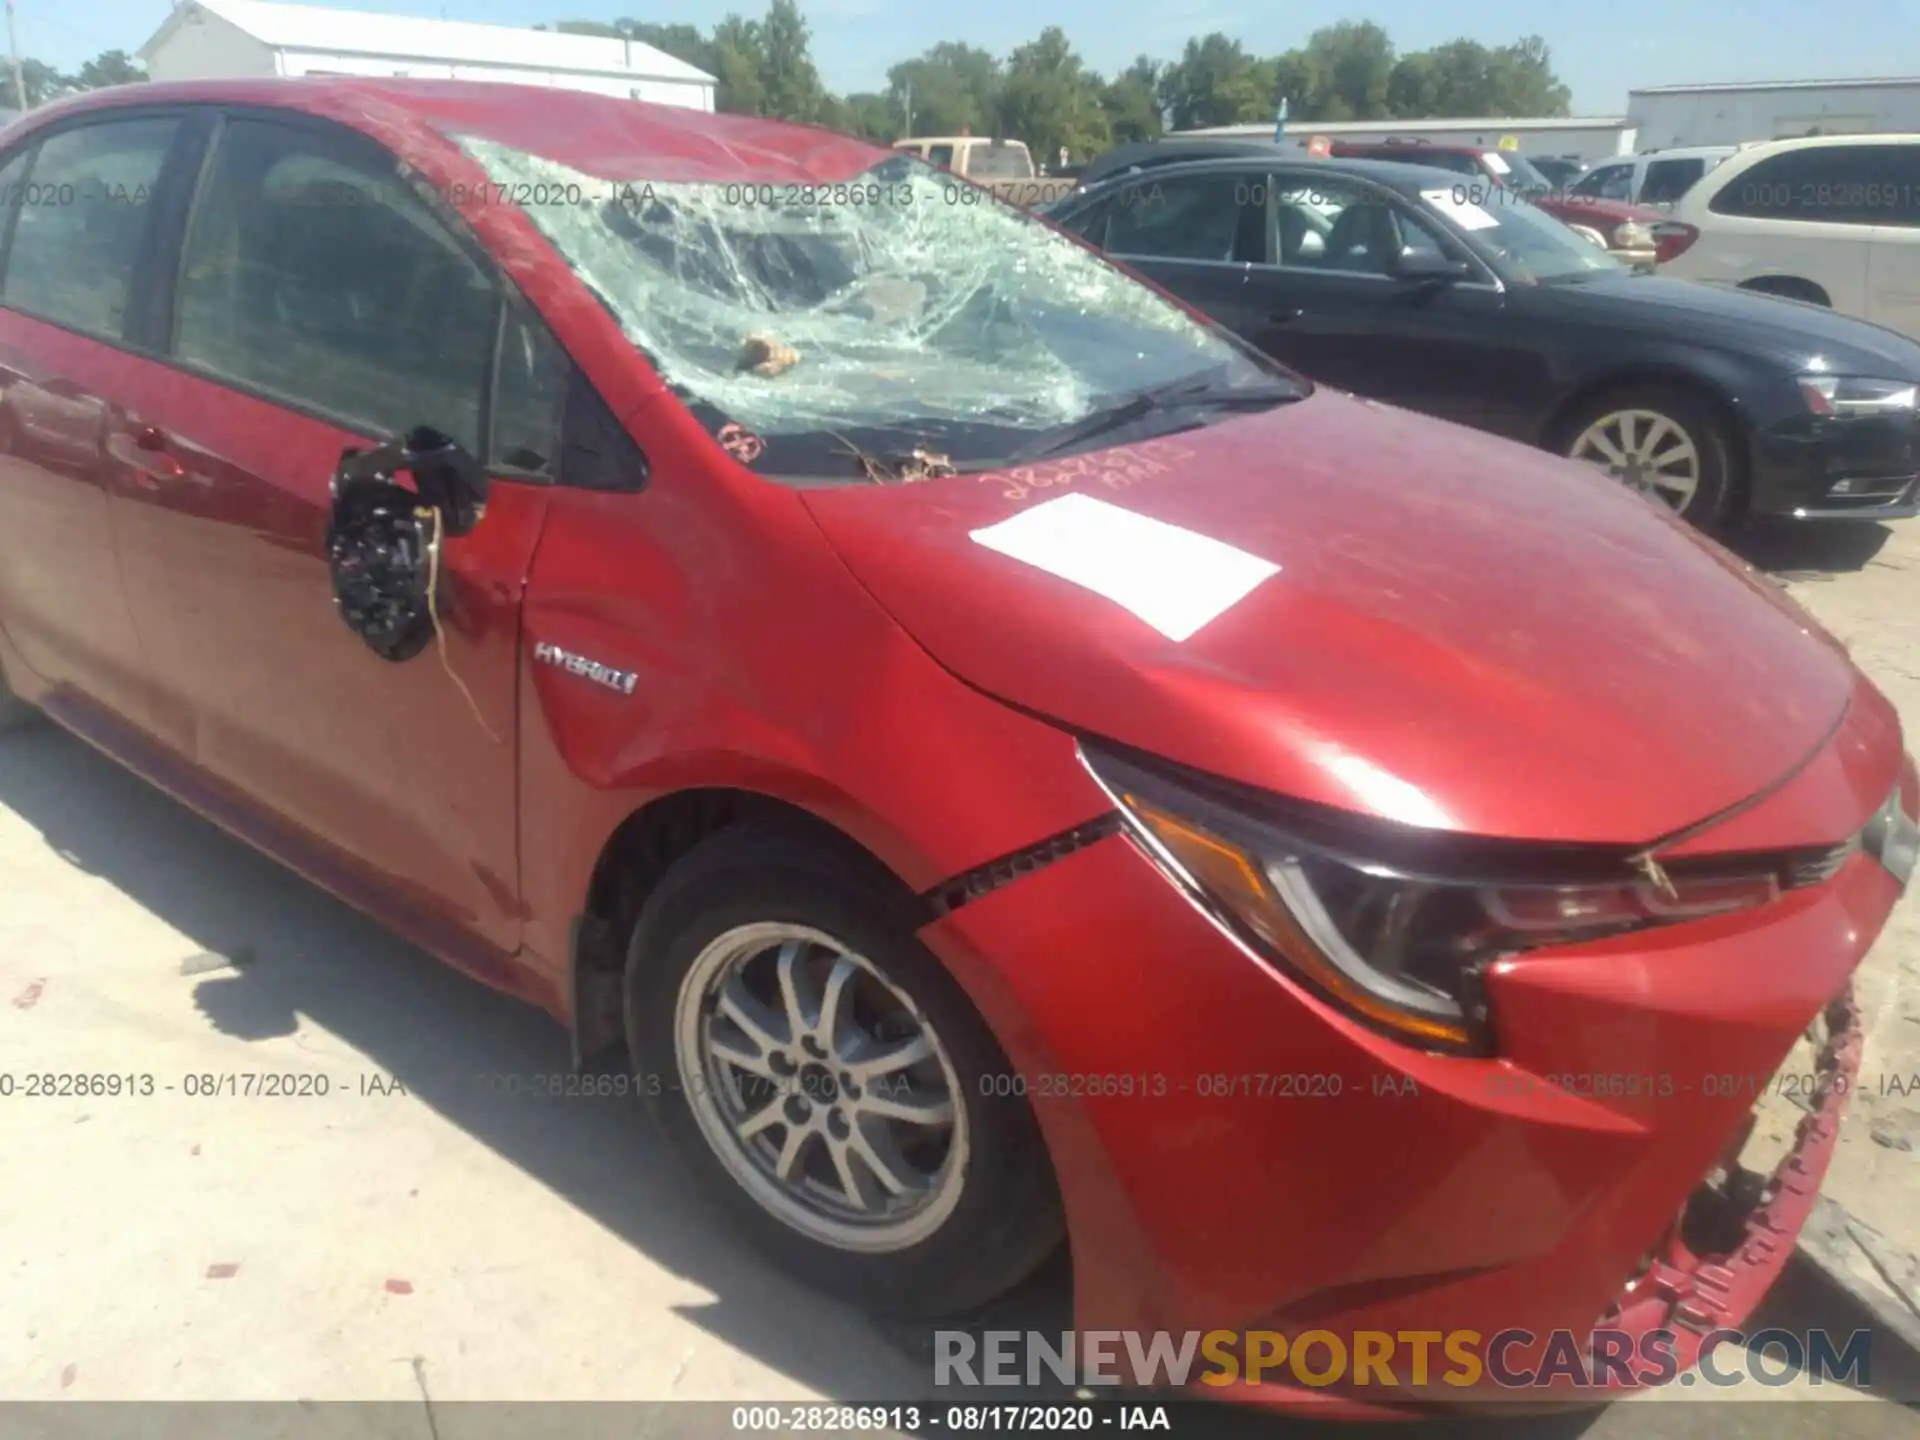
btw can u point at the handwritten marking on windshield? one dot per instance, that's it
(1115, 469)
(741, 443)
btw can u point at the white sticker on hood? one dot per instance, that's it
(1174, 579)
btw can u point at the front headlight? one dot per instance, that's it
(1396, 924)
(1856, 395)
(1632, 236)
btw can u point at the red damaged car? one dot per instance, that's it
(992, 759)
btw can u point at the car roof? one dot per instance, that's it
(1685, 152)
(602, 135)
(1172, 150)
(1415, 147)
(1394, 174)
(1821, 142)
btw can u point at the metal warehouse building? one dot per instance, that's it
(1592, 137)
(237, 39)
(1669, 115)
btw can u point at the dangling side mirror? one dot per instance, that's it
(383, 538)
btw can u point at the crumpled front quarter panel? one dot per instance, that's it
(763, 666)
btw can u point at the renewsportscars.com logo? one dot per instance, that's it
(1463, 1359)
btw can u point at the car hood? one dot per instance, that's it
(1794, 331)
(1616, 211)
(1462, 634)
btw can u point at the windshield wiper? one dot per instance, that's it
(1189, 394)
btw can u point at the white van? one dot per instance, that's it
(1658, 178)
(1831, 219)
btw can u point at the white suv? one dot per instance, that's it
(1657, 178)
(1833, 219)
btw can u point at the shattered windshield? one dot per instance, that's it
(903, 312)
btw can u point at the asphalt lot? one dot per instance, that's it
(419, 1235)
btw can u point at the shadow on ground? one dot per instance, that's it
(448, 1040)
(1810, 552)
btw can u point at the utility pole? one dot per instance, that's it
(13, 50)
(909, 88)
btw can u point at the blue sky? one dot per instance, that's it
(1601, 50)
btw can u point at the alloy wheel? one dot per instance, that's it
(821, 1087)
(1645, 450)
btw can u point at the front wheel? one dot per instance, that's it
(829, 1082)
(1661, 442)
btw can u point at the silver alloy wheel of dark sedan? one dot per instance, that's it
(1645, 449)
(821, 1087)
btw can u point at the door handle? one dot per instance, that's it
(1281, 317)
(154, 464)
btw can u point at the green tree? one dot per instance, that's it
(41, 81)
(1132, 102)
(109, 67)
(1464, 78)
(1521, 81)
(1051, 100)
(871, 117)
(789, 81)
(1343, 72)
(952, 87)
(739, 61)
(683, 42)
(1216, 82)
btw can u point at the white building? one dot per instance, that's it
(1583, 137)
(240, 39)
(1671, 115)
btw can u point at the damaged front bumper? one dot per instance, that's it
(1729, 1244)
(1382, 1190)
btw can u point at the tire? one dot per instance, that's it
(984, 1210)
(1658, 416)
(1788, 288)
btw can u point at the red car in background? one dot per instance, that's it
(992, 760)
(1628, 231)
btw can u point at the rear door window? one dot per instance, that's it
(1192, 217)
(1668, 180)
(85, 210)
(999, 162)
(313, 275)
(1606, 182)
(1828, 184)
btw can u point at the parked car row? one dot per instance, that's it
(1391, 281)
(1657, 178)
(993, 760)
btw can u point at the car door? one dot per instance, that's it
(1800, 215)
(80, 227)
(1324, 300)
(1893, 264)
(1195, 234)
(1667, 180)
(1611, 181)
(321, 303)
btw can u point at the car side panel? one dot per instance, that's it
(1737, 249)
(61, 599)
(1893, 278)
(763, 666)
(404, 770)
